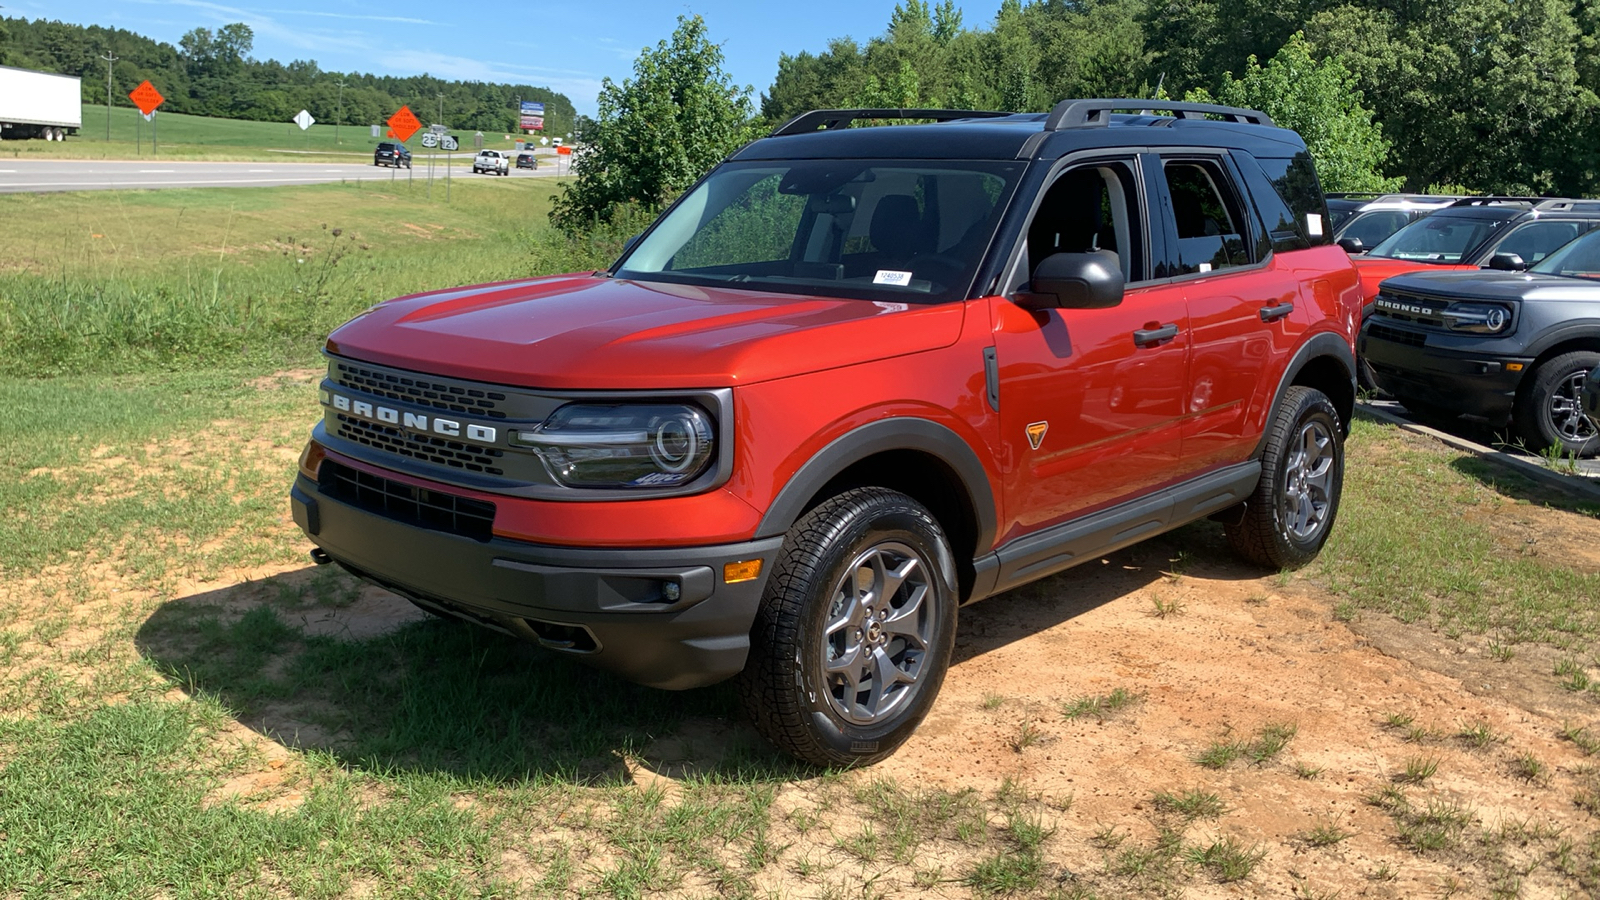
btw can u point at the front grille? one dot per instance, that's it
(1424, 311)
(426, 448)
(419, 389)
(1397, 335)
(425, 508)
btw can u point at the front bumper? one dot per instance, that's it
(1464, 375)
(611, 608)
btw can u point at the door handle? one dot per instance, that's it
(1149, 337)
(1274, 313)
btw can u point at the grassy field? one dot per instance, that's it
(127, 280)
(201, 137)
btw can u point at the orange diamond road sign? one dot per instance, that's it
(146, 97)
(404, 123)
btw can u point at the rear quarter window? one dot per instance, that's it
(1290, 200)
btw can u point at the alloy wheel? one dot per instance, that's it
(879, 626)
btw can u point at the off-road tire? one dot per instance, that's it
(1266, 535)
(784, 689)
(1532, 417)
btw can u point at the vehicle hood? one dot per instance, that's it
(1374, 269)
(585, 331)
(1487, 285)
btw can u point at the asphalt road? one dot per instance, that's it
(38, 176)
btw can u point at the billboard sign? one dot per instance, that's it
(532, 116)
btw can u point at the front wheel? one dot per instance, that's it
(855, 629)
(1289, 516)
(1549, 409)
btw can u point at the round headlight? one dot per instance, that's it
(634, 445)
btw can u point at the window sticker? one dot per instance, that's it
(892, 277)
(1314, 224)
(1205, 267)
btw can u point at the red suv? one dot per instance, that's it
(852, 380)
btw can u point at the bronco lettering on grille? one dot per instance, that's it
(482, 434)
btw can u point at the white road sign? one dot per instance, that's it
(430, 139)
(304, 120)
(448, 142)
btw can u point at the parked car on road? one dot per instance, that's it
(527, 161)
(1511, 347)
(390, 153)
(852, 380)
(1381, 216)
(492, 162)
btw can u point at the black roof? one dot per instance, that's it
(1073, 125)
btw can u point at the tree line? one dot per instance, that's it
(1485, 95)
(211, 73)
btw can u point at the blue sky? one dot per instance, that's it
(567, 46)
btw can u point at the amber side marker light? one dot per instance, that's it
(745, 570)
(1513, 367)
(311, 458)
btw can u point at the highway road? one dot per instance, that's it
(38, 175)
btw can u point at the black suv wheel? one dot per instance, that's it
(1549, 410)
(1289, 516)
(855, 630)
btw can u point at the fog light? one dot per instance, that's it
(744, 570)
(670, 591)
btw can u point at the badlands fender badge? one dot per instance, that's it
(1036, 433)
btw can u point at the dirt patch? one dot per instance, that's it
(278, 380)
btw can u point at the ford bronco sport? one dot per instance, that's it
(1513, 348)
(853, 379)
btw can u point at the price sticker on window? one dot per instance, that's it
(892, 277)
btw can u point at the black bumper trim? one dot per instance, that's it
(619, 597)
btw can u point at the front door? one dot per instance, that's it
(1091, 400)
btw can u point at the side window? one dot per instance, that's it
(1295, 181)
(1090, 208)
(1210, 220)
(1536, 240)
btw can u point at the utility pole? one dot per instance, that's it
(109, 60)
(340, 117)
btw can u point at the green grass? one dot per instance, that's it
(128, 281)
(1101, 706)
(202, 137)
(1405, 501)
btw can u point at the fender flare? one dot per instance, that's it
(900, 433)
(1326, 343)
(1574, 329)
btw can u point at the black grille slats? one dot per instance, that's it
(423, 507)
(426, 448)
(1398, 335)
(419, 390)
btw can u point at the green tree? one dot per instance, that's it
(1321, 102)
(658, 132)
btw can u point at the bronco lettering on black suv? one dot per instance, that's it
(852, 380)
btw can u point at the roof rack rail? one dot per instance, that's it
(829, 119)
(1567, 203)
(1097, 113)
(1496, 199)
(1351, 195)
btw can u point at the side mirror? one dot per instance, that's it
(1074, 281)
(1507, 262)
(1352, 245)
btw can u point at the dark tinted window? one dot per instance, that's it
(1373, 227)
(1295, 181)
(1536, 240)
(1210, 221)
(1090, 208)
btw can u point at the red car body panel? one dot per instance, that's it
(1373, 270)
(595, 333)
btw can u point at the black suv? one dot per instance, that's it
(390, 153)
(1508, 233)
(1510, 347)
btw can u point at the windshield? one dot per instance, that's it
(1579, 259)
(1372, 226)
(1440, 238)
(906, 230)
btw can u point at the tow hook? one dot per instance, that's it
(320, 556)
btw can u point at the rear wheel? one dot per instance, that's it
(855, 630)
(1549, 409)
(1289, 516)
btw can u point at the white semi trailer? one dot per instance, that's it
(38, 105)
